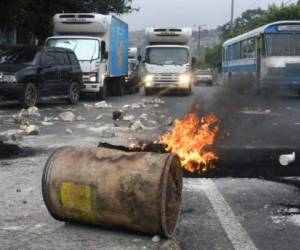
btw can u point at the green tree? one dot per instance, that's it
(213, 56)
(10, 11)
(249, 20)
(36, 15)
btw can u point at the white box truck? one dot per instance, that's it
(133, 81)
(168, 60)
(100, 43)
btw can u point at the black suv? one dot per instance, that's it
(30, 73)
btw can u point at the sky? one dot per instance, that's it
(182, 13)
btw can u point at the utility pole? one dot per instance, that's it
(199, 39)
(232, 14)
(199, 42)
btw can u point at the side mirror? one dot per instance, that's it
(105, 55)
(139, 58)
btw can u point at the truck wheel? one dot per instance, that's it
(102, 93)
(119, 87)
(29, 95)
(74, 93)
(148, 91)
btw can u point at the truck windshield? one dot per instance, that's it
(283, 44)
(167, 56)
(85, 49)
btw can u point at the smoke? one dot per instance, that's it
(248, 119)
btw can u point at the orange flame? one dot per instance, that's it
(188, 140)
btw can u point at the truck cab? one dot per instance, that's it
(168, 60)
(100, 43)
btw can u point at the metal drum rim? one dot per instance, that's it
(165, 174)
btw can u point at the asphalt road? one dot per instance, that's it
(220, 212)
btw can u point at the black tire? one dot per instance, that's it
(186, 92)
(149, 91)
(119, 87)
(137, 90)
(29, 95)
(102, 94)
(74, 93)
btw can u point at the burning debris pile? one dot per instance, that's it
(189, 139)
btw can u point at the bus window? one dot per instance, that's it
(244, 49)
(280, 45)
(233, 52)
(297, 45)
(251, 48)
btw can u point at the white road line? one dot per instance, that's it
(235, 232)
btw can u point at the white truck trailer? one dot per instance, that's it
(168, 60)
(100, 43)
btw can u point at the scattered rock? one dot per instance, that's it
(107, 134)
(20, 118)
(80, 118)
(18, 136)
(149, 123)
(156, 238)
(18, 190)
(87, 106)
(156, 105)
(32, 130)
(33, 111)
(287, 159)
(99, 117)
(123, 123)
(49, 119)
(137, 125)
(67, 116)
(69, 131)
(117, 115)
(129, 118)
(24, 201)
(159, 101)
(45, 123)
(127, 106)
(144, 116)
(135, 106)
(256, 112)
(102, 104)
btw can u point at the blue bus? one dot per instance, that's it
(264, 57)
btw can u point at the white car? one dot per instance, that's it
(203, 77)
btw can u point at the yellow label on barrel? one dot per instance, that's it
(79, 199)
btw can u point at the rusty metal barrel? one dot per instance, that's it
(139, 191)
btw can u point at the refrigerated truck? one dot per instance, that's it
(168, 60)
(100, 43)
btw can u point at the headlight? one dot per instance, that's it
(93, 77)
(9, 78)
(148, 80)
(184, 79)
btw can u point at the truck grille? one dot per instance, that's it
(166, 79)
